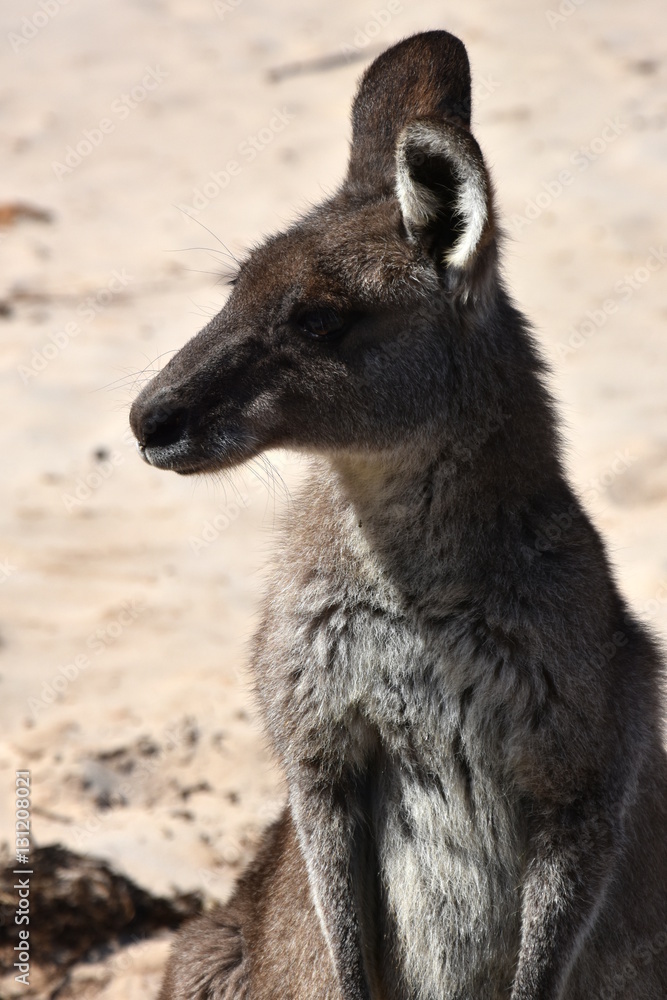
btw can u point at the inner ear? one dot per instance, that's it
(437, 207)
(443, 189)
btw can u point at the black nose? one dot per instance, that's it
(158, 425)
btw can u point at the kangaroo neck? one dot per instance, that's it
(405, 517)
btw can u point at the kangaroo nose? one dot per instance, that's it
(157, 425)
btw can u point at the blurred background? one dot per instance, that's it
(144, 146)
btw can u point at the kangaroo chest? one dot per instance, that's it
(360, 687)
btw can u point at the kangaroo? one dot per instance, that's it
(467, 714)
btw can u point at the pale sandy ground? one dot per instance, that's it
(148, 755)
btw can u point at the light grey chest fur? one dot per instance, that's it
(348, 670)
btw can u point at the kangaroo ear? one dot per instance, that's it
(423, 76)
(411, 138)
(443, 189)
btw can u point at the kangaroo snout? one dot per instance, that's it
(199, 413)
(157, 419)
(159, 424)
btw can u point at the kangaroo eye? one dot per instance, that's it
(321, 322)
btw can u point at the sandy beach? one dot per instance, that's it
(145, 146)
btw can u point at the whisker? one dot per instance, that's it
(285, 491)
(199, 270)
(201, 311)
(215, 237)
(214, 250)
(131, 380)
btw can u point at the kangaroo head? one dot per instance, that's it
(339, 333)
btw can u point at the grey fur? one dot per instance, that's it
(468, 714)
